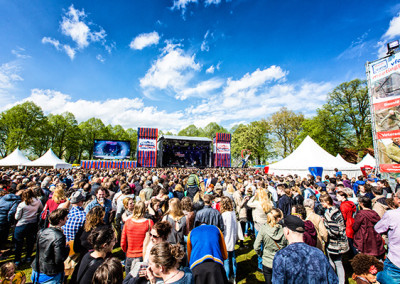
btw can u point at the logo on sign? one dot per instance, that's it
(379, 67)
(147, 145)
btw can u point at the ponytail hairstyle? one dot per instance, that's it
(166, 255)
(101, 236)
(274, 216)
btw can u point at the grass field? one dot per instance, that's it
(246, 262)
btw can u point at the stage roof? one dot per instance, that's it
(186, 138)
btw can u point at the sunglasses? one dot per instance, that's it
(154, 236)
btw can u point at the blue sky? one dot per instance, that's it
(171, 63)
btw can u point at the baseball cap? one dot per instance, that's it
(293, 223)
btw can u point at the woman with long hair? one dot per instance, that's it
(26, 227)
(94, 219)
(135, 236)
(57, 199)
(337, 243)
(187, 208)
(348, 209)
(177, 219)
(163, 261)
(230, 235)
(269, 240)
(261, 205)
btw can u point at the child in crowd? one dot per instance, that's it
(9, 275)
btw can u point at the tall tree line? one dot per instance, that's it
(342, 123)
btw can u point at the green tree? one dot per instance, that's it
(212, 128)
(20, 126)
(191, 130)
(91, 129)
(350, 102)
(64, 134)
(254, 137)
(285, 126)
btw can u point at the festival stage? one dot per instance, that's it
(184, 151)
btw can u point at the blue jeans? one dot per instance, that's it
(259, 258)
(249, 225)
(29, 232)
(231, 260)
(389, 274)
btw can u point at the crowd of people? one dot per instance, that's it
(185, 226)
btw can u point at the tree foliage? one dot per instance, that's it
(285, 127)
(254, 137)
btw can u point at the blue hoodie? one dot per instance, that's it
(8, 207)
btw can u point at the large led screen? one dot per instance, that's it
(111, 149)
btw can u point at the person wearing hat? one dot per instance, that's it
(76, 216)
(299, 262)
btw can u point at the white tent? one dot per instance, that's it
(368, 160)
(343, 162)
(310, 154)
(15, 159)
(49, 159)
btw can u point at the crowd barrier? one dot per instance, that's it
(108, 164)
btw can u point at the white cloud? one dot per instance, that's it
(254, 80)
(74, 26)
(204, 45)
(19, 52)
(60, 47)
(181, 4)
(210, 70)
(203, 89)
(209, 2)
(123, 111)
(144, 40)
(100, 58)
(9, 76)
(172, 70)
(392, 32)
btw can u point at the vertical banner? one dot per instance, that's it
(384, 92)
(147, 147)
(222, 150)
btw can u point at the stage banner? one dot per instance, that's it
(147, 147)
(222, 146)
(384, 92)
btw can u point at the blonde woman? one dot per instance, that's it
(135, 236)
(177, 219)
(269, 240)
(261, 205)
(230, 235)
(57, 199)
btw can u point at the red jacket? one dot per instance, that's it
(348, 208)
(366, 239)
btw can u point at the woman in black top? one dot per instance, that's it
(103, 240)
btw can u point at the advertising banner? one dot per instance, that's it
(223, 148)
(384, 91)
(147, 144)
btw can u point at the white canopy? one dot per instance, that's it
(342, 161)
(49, 159)
(368, 160)
(310, 154)
(15, 159)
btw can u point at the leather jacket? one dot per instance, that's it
(209, 216)
(51, 252)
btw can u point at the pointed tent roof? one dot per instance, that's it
(310, 154)
(49, 159)
(368, 160)
(16, 158)
(340, 159)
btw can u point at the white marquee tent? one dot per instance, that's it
(310, 154)
(49, 159)
(368, 160)
(343, 162)
(15, 159)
